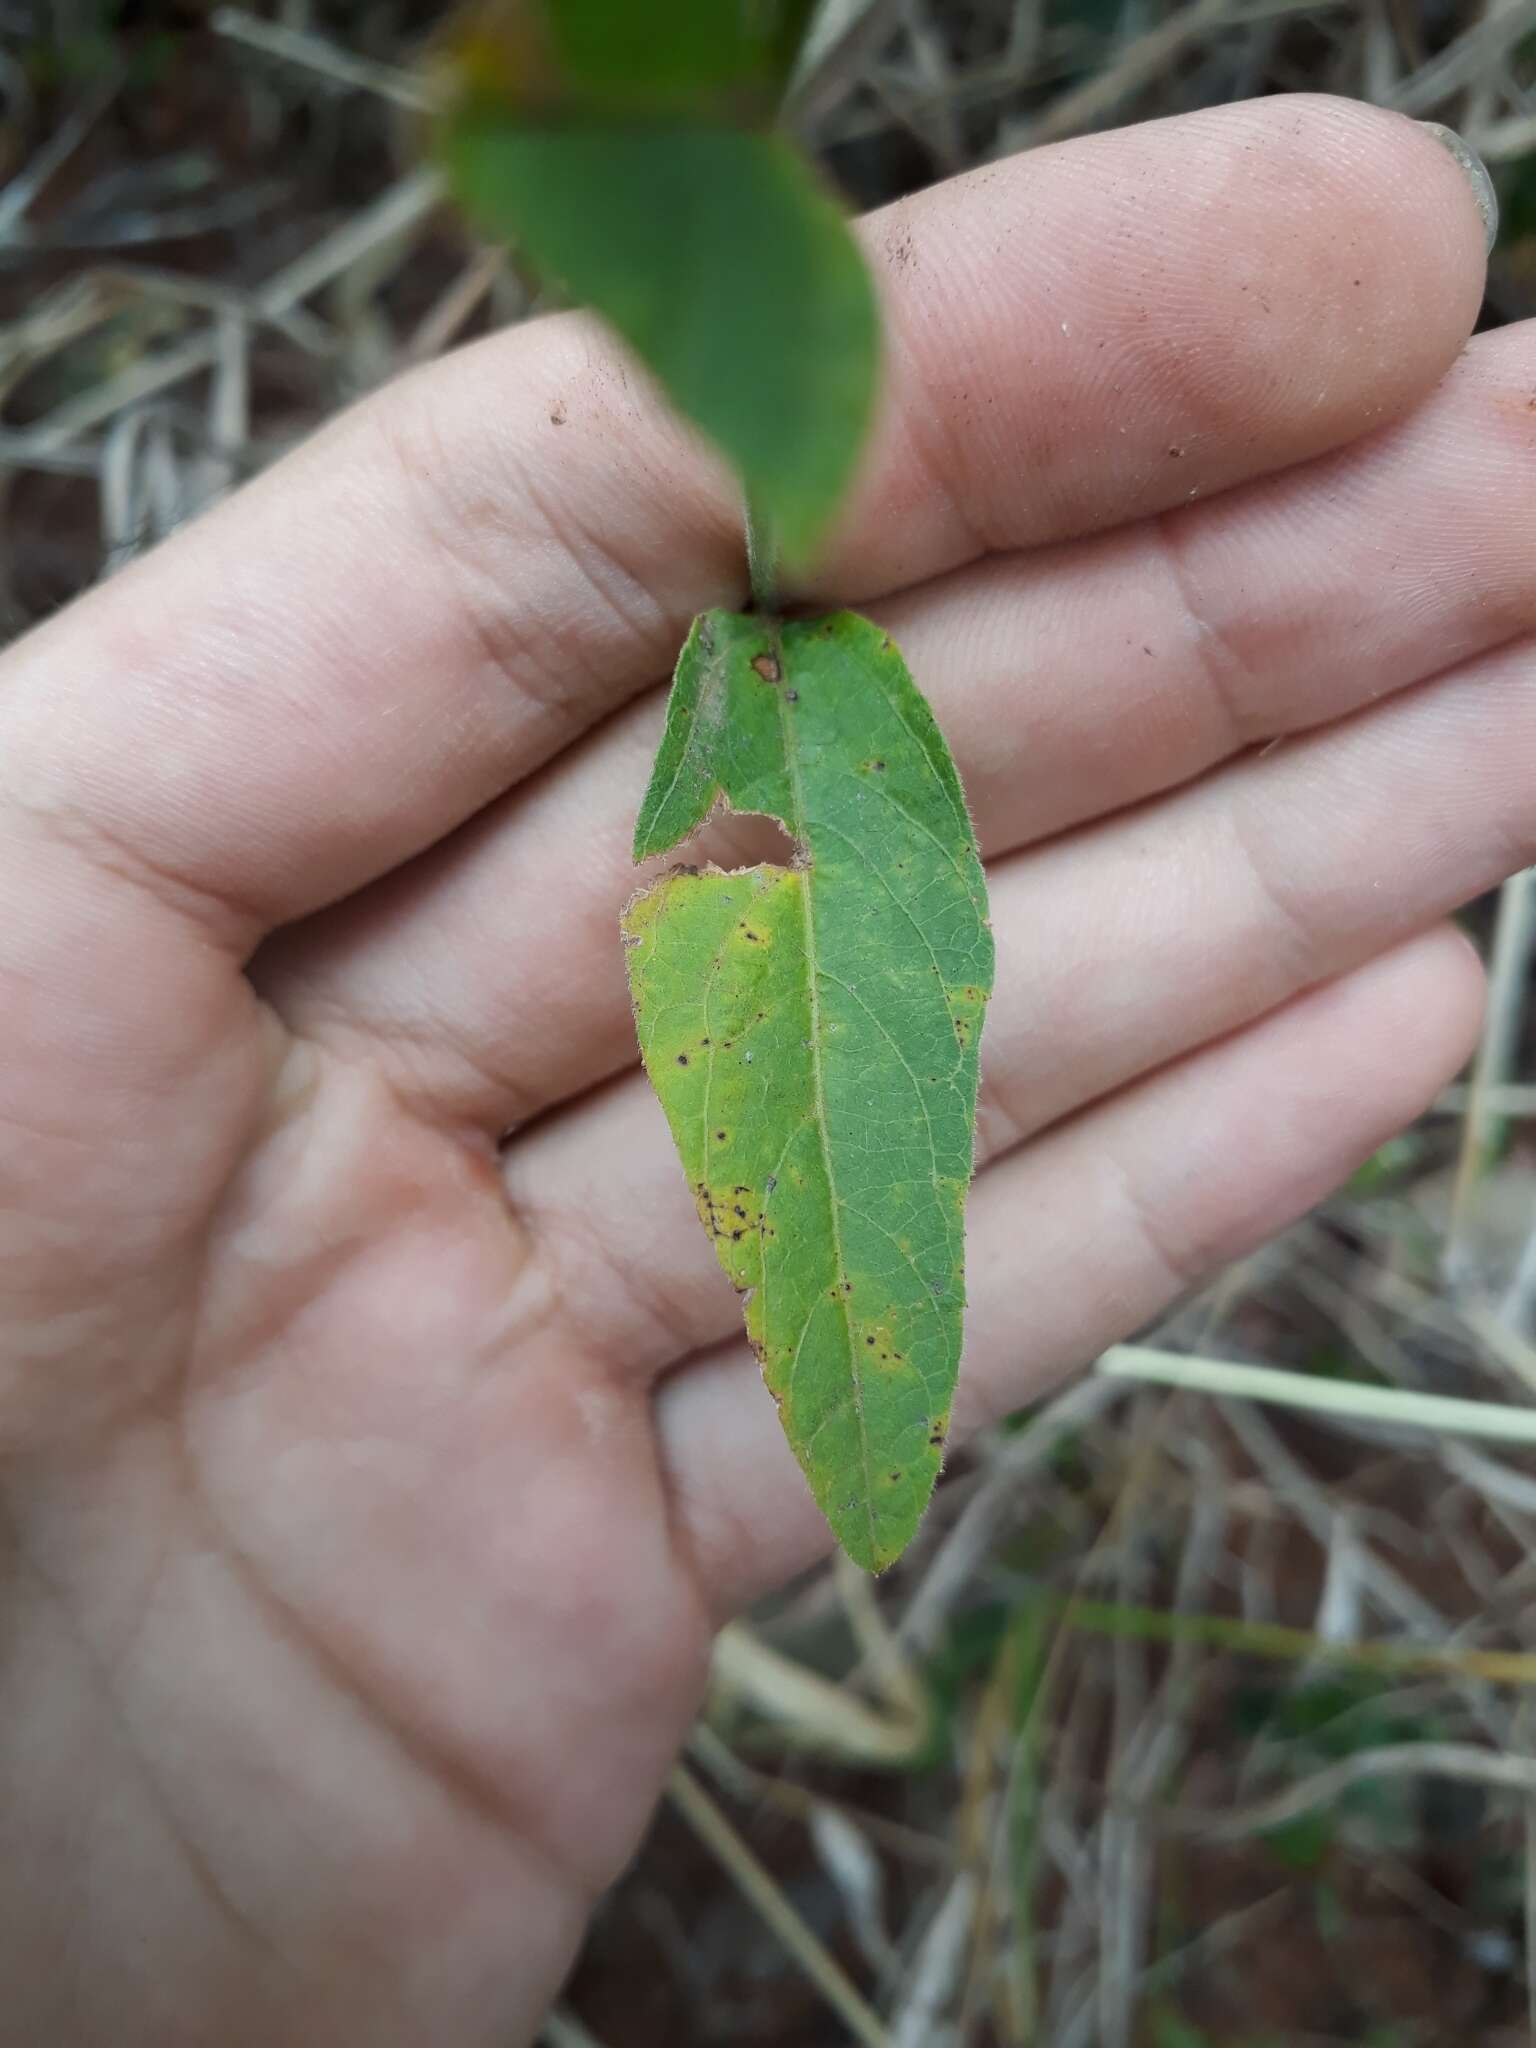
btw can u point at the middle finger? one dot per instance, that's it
(1121, 948)
(1071, 681)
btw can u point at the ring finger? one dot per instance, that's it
(1096, 1229)
(1121, 948)
(1071, 681)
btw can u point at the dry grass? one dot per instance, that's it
(1189, 1719)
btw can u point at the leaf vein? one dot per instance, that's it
(819, 1097)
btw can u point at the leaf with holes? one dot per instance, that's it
(812, 1033)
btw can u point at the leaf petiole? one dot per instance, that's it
(762, 558)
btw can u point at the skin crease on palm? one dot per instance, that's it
(378, 1446)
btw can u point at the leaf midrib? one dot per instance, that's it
(818, 1086)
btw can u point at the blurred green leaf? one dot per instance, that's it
(724, 265)
(1388, 1165)
(693, 51)
(1170, 2031)
(1336, 1715)
(971, 1644)
(1335, 1361)
(1302, 1844)
(626, 150)
(725, 60)
(1323, 1720)
(1329, 1912)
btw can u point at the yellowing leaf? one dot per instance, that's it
(812, 1034)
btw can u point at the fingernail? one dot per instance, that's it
(1477, 175)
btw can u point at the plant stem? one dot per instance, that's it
(762, 559)
(762, 1890)
(1395, 1405)
(1273, 1641)
(1513, 940)
(811, 1709)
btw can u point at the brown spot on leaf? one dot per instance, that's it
(767, 666)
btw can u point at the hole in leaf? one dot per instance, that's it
(733, 839)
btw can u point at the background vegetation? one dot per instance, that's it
(1188, 1720)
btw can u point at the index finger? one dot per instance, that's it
(359, 652)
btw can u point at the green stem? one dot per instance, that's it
(762, 559)
(1271, 1639)
(1403, 1406)
(763, 1891)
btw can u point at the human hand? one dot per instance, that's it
(372, 1486)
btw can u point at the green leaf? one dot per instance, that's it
(1171, 2030)
(1303, 1843)
(731, 57)
(722, 60)
(812, 1033)
(723, 264)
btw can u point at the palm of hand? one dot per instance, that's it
(394, 1642)
(368, 1527)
